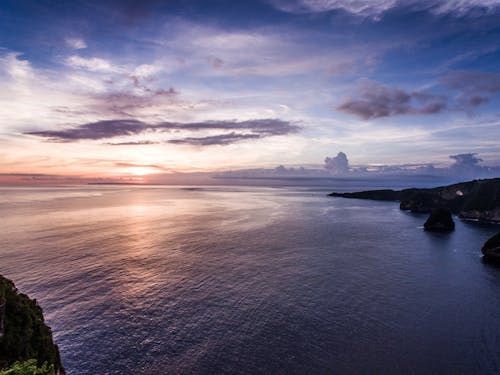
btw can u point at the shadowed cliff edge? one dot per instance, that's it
(26, 344)
(477, 200)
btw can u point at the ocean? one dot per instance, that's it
(250, 280)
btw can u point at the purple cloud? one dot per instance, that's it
(220, 140)
(122, 103)
(473, 88)
(479, 82)
(338, 165)
(375, 100)
(94, 131)
(105, 129)
(133, 143)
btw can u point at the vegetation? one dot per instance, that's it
(29, 367)
(24, 336)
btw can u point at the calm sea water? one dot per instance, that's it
(154, 280)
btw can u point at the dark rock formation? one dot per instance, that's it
(24, 335)
(491, 248)
(440, 220)
(379, 195)
(475, 200)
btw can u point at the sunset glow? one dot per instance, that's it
(266, 83)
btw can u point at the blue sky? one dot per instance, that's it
(105, 88)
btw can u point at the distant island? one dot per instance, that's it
(477, 200)
(26, 343)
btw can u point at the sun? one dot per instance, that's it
(140, 171)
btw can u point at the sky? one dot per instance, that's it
(104, 89)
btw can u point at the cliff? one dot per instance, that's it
(25, 340)
(474, 200)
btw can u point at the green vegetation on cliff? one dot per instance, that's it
(29, 367)
(24, 336)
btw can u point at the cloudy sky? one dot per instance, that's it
(113, 88)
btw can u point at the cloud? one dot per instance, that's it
(220, 140)
(473, 88)
(375, 9)
(139, 165)
(338, 165)
(123, 103)
(271, 52)
(94, 64)
(133, 143)
(258, 128)
(466, 166)
(465, 159)
(462, 7)
(76, 43)
(16, 68)
(473, 82)
(94, 131)
(357, 7)
(375, 100)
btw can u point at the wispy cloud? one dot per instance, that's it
(133, 143)
(93, 64)
(76, 43)
(220, 140)
(260, 51)
(126, 103)
(374, 9)
(17, 68)
(358, 7)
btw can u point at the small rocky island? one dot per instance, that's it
(26, 343)
(491, 249)
(474, 200)
(440, 220)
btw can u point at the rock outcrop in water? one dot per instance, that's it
(491, 248)
(474, 200)
(440, 220)
(26, 344)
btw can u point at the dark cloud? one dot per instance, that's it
(375, 100)
(263, 127)
(220, 140)
(105, 129)
(472, 100)
(338, 165)
(473, 87)
(94, 131)
(473, 82)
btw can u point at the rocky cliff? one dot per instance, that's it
(24, 336)
(474, 200)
